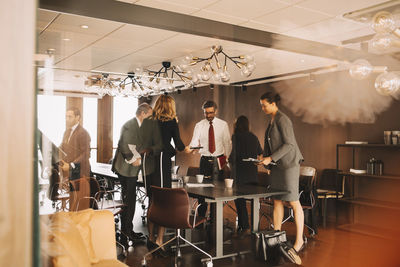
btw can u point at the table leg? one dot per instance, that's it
(219, 231)
(255, 213)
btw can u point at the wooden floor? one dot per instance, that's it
(331, 247)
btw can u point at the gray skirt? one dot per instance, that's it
(286, 180)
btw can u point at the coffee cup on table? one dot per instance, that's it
(228, 183)
(199, 178)
(186, 179)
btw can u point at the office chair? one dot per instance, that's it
(170, 208)
(192, 171)
(307, 182)
(330, 186)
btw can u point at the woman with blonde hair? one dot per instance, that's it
(164, 112)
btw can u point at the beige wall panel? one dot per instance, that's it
(16, 135)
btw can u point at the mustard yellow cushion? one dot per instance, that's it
(68, 242)
(109, 263)
(82, 221)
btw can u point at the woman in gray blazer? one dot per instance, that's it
(280, 149)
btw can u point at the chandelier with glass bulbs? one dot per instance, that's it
(141, 82)
(386, 83)
(387, 34)
(215, 66)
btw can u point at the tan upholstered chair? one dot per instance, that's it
(82, 239)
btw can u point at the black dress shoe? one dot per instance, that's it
(135, 235)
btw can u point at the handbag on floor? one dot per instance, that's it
(266, 245)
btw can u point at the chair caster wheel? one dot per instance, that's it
(144, 263)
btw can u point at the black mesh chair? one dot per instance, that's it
(330, 186)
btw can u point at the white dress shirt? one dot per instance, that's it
(223, 144)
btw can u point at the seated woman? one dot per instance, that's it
(244, 145)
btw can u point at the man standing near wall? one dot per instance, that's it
(212, 136)
(145, 136)
(76, 145)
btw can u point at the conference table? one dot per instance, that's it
(215, 193)
(218, 194)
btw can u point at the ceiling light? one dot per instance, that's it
(141, 83)
(66, 39)
(384, 22)
(84, 26)
(215, 66)
(387, 83)
(361, 69)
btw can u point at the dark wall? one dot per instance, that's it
(317, 142)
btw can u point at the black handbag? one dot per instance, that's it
(266, 245)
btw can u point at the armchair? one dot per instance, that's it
(83, 238)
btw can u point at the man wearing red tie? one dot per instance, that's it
(213, 139)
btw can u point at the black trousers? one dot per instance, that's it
(243, 215)
(241, 209)
(209, 167)
(128, 185)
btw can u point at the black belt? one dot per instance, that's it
(211, 157)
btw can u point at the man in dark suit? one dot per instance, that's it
(145, 135)
(76, 145)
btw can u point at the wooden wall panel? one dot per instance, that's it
(104, 129)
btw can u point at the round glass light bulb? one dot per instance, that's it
(382, 41)
(383, 22)
(139, 71)
(251, 66)
(245, 71)
(387, 83)
(248, 58)
(225, 76)
(360, 69)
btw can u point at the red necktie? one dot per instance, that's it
(211, 139)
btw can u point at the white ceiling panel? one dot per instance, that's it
(193, 3)
(169, 6)
(72, 23)
(44, 18)
(129, 63)
(64, 43)
(141, 34)
(245, 9)
(339, 7)
(319, 30)
(219, 17)
(263, 27)
(292, 17)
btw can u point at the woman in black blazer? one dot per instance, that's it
(244, 145)
(280, 147)
(164, 113)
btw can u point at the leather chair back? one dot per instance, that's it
(169, 207)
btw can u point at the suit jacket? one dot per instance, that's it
(146, 136)
(77, 149)
(282, 143)
(244, 145)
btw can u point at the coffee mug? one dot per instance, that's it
(186, 179)
(199, 178)
(228, 182)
